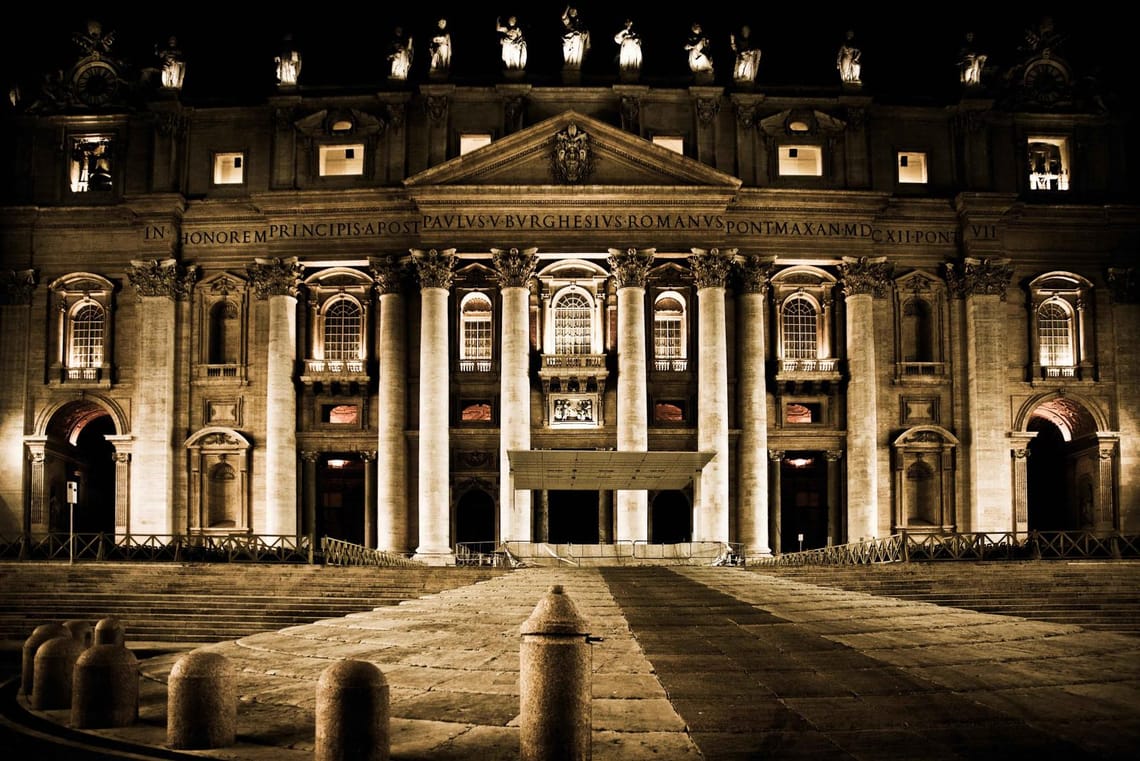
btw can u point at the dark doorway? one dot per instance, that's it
(803, 501)
(670, 518)
(95, 512)
(340, 497)
(1047, 476)
(475, 518)
(573, 517)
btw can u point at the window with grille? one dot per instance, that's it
(342, 330)
(476, 327)
(87, 327)
(1055, 334)
(799, 329)
(668, 333)
(573, 325)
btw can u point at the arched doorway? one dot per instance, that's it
(670, 518)
(475, 518)
(340, 486)
(73, 447)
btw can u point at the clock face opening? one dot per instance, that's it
(95, 83)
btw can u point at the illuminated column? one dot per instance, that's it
(1019, 452)
(1105, 512)
(278, 282)
(160, 286)
(863, 280)
(630, 269)
(982, 283)
(435, 271)
(515, 269)
(752, 468)
(16, 291)
(710, 273)
(392, 466)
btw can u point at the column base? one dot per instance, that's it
(435, 557)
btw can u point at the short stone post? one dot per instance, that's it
(109, 631)
(40, 635)
(81, 630)
(201, 703)
(352, 713)
(53, 668)
(105, 688)
(554, 682)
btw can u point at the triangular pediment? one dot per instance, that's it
(604, 156)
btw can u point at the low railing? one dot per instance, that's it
(257, 548)
(340, 552)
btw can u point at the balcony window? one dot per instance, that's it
(669, 335)
(1049, 167)
(91, 164)
(475, 333)
(573, 324)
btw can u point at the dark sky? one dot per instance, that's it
(230, 47)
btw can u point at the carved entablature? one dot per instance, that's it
(711, 267)
(162, 278)
(631, 266)
(515, 267)
(865, 275)
(979, 277)
(434, 267)
(276, 277)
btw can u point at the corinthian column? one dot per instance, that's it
(982, 283)
(752, 458)
(278, 281)
(160, 286)
(392, 462)
(434, 269)
(863, 280)
(710, 272)
(17, 288)
(631, 268)
(515, 269)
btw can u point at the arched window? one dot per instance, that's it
(1055, 334)
(342, 329)
(225, 334)
(573, 324)
(475, 333)
(799, 320)
(669, 335)
(88, 322)
(917, 332)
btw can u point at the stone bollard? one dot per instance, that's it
(105, 688)
(81, 630)
(53, 669)
(201, 704)
(40, 635)
(554, 682)
(352, 713)
(109, 631)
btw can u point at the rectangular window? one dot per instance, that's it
(340, 414)
(342, 160)
(475, 411)
(1049, 167)
(229, 168)
(471, 141)
(90, 169)
(672, 142)
(912, 167)
(801, 160)
(669, 411)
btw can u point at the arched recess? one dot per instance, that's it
(81, 440)
(1065, 465)
(218, 479)
(475, 514)
(923, 480)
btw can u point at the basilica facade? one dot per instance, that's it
(431, 313)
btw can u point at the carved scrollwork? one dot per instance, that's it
(515, 267)
(162, 278)
(631, 266)
(711, 268)
(276, 277)
(865, 275)
(434, 267)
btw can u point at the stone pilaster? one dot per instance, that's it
(160, 285)
(982, 284)
(515, 269)
(368, 456)
(775, 461)
(864, 279)
(1019, 452)
(1124, 289)
(392, 467)
(435, 272)
(1105, 506)
(278, 281)
(752, 460)
(710, 272)
(16, 290)
(309, 492)
(630, 268)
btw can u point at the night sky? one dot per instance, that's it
(230, 47)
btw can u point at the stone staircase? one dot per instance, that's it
(188, 603)
(1095, 594)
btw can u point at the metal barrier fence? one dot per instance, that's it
(340, 552)
(256, 548)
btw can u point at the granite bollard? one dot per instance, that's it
(201, 707)
(105, 688)
(352, 713)
(39, 635)
(82, 630)
(54, 667)
(109, 631)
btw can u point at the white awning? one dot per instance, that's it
(591, 469)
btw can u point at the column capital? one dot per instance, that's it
(979, 277)
(276, 277)
(434, 266)
(755, 273)
(368, 455)
(631, 266)
(16, 287)
(515, 266)
(711, 267)
(775, 455)
(387, 273)
(162, 277)
(309, 455)
(865, 275)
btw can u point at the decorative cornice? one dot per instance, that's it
(515, 267)
(162, 278)
(755, 273)
(631, 266)
(434, 267)
(979, 277)
(18, 286)
(388, 275)
(865, 275)
(276, 277)
(711, 268)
